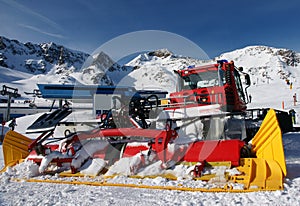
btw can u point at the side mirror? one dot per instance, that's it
(247, 79)
(187, 79)
(176, 72)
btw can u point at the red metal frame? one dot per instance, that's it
(223, 95)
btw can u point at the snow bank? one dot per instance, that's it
(26, 169)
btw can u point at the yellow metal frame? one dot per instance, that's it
(267, 143)
(15, 147)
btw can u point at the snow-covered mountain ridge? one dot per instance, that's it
(23, 65)
(102, 70)
(38, 58)
(265, 63)
(51, 63)
(155, 69)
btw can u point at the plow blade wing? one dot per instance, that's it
(268, 169)
(267, 143)
(259, 174)
(15, 148)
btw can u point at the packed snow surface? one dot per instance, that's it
(24, 193)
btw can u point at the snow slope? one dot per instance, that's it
(154, 70)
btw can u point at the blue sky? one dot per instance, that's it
(216, 26)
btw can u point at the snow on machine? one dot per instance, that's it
(197, 140)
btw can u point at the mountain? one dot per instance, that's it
(25, 65)
(102, 70)
(265, 64)
(39, 58)
(52, 63)
(154, 69)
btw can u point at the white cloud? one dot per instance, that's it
(41, 31)
(31, 13)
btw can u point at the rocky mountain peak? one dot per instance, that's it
(162, 53)
(102, 60)
(38, 58)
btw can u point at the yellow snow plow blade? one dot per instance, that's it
(267, 143)
(15, 148)
(259, 174)
(267, 170)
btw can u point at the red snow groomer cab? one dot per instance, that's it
(218, 83)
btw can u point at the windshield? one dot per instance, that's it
(203, 79)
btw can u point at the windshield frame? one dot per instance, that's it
(201, 78)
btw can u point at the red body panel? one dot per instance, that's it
(133, 150)
(215, 151)
(200, 151)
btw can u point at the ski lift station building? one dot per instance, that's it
(100, 97)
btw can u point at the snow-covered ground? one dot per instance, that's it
(25, 193)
